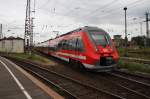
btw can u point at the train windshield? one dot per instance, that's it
(101, 38)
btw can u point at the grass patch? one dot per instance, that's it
(142, 50)
(33, 57)
(142, 56)
(121, 51)
(133, 66)
(135, 53)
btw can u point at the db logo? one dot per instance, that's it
(105, 50)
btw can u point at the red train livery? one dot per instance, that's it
(89, 47)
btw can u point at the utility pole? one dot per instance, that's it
(141, 28)
(32, 26)
(27, 25)
(1, 31)
(126, 40)
(147, 29)
(31, 35)
(147, 25)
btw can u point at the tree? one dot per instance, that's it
(140, 41)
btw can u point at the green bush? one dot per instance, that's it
(133, 66)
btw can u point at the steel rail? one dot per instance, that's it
(68, 78)
(137, 87)
(138, 77)
(122, 86)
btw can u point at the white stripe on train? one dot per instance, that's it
(74, 56)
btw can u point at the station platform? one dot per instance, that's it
(16, 85)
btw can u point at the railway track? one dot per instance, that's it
(143, 61)
(145, 79)
(75, 89)
(103, 82)
(130, 87)
(129, 84)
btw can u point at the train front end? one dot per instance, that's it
(103, 55)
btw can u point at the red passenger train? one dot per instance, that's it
(90, 47)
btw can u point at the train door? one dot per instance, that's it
(76, 47)
(79, 49)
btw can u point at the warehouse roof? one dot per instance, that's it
(12, 38)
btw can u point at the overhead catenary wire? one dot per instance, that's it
(119, 8)
(102, 7)
(109, 10)
(47, 2)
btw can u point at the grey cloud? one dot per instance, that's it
(76, 12)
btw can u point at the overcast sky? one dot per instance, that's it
(66, 15)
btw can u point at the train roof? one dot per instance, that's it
(90, 28)
(85, 28)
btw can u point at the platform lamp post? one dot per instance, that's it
(126, 40)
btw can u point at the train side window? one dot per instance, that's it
(74, 41)
(80, 46)
(59, 45)
(69, 44)
(65, 44)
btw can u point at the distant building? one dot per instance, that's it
(12, 45)
(119, 42)
(117, 37)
